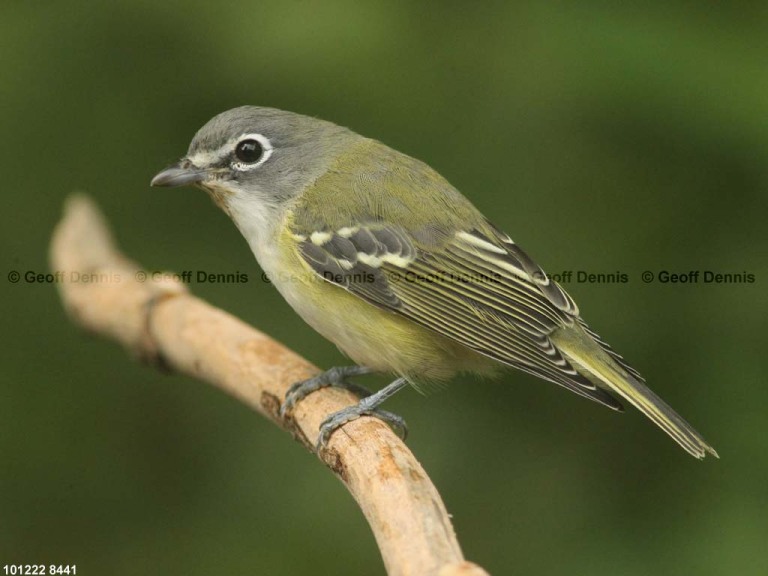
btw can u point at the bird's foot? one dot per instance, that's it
(336, 377)
(368, 406)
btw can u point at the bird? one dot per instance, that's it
(382, 256)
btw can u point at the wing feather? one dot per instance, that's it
(476, 291)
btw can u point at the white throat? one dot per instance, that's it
(258, 220)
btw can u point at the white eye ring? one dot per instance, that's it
(241, 164)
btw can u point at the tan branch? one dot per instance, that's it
(109, 295)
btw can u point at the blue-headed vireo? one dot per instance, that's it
(382, 256)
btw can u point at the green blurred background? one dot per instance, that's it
(602, 138)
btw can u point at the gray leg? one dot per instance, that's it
(368, 406)
(336, 377)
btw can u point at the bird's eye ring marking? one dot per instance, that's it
(251, 151)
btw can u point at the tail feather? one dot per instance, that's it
(589, 359)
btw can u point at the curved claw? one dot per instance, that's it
(368, 406)
(334, 377)
(338, 419)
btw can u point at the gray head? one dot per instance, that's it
(253, 154)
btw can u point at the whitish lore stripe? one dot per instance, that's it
(204, 159)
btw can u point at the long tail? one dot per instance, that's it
(594, 363)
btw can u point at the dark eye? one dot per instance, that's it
(249, 151)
